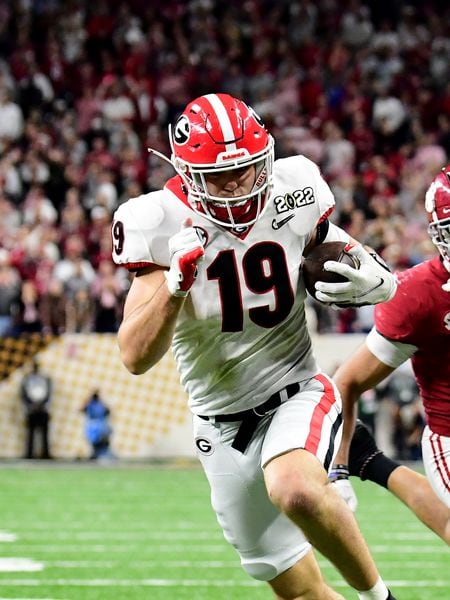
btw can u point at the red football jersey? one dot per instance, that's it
(419, 314)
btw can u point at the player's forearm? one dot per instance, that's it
(146, 334)
(350, 397)
(358, 374)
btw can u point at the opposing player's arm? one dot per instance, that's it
(362, 371)
(149, 318)
(358, 374)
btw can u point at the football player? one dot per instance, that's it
(217, 255)
(414, 324)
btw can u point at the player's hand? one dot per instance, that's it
(370, 284)
(339, 478)
(186, 251)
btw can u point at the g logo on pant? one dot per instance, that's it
(204, 445)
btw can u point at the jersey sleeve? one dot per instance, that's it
(319, 201)
(336, 234)
(390, 352)
(398, 320)
(135, 223)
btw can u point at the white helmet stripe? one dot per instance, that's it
(224, 121)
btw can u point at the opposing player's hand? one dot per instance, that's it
(370, 284)
(186, 251)
(339, 478)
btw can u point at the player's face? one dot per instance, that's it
(232, 183)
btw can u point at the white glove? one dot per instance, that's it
(370, 284)
(339, 478)
(186, 251)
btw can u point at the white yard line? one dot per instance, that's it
(5, 536)
(96, 548)
(124, 535)
(132, 582)
(400, 548)
(404, 583)
(18, 564)
(210, 564)
(411, 536)
(130, 536)
(72, 547)
(142, 564)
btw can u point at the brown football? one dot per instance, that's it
(313, 270)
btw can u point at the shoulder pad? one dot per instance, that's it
(314, 200)
(134, 221)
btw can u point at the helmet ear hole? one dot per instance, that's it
(180, 165)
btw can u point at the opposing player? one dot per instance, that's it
(366, 461)
(217, 255)
(414, 324)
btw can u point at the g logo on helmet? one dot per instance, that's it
(182, 130)
(204, 445)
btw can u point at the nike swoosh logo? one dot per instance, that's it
(446, 210)
(278, 224)
(375, 287)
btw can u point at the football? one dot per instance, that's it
(313, 270)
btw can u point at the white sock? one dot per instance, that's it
(378, 592)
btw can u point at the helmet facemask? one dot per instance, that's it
(439, 232)
(437, 205)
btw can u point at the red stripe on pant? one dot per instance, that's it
(321, 410)
(439, 461)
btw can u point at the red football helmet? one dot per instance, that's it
(437, 205)
(217, 133)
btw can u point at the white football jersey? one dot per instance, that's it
(242, 333)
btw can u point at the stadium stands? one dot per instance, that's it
(85, 88)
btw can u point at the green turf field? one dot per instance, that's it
(93, 532)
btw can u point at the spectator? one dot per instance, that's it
(27, 317)
(10, 182)
(53, 309)
(37, 208)
(97, 428)
(356, 26)
(107, 291)
(10, 286)
(36, 393)
(389, 120)
(73, 262)
(339, 153)
(79, 303)
(11, 118)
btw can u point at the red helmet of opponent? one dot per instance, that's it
(216, 133)
(437, 205)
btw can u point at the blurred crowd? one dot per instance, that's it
(360, 87)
